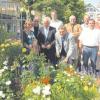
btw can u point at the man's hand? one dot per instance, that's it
(98, 53)
(65, 60)
(43, 46)
(48, 46)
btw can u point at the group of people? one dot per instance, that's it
(70, 43)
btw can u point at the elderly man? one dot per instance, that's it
(65, 45)
(72, 27)
(75, 29)
(85, 22)
(36, 25)
(90, 42)
(46, 39)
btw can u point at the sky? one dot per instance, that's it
(94, 2)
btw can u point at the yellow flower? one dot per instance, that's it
(59, 88)
(23, 50)
(2, 45)
(7, 45)
(86, 88)
(71, 66)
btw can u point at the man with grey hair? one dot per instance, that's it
(65, 45)
(36, 25)
(85, 22)
(75, 29)
(46, 39)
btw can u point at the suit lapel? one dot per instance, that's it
(43, 33)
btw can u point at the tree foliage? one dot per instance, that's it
(65, 8)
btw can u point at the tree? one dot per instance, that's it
(65, 8)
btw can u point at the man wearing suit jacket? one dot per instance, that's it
(65, 45)
(46, 39)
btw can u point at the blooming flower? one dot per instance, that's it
(1, 71)
(45, 80)
(68, 75)
(2, 49)
(65, 72)
(7, 45)
(46, 90)
(71, 66)
(5, 62)
(24, 50)
(2, 45)
(5, 67)
(37, 90)
(86, 88)
(8, 82)
(2, 94)
(89, 83)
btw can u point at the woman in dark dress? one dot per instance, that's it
(29, 40)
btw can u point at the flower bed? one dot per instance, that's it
(29, 77)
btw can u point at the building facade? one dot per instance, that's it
(92, 11)
(9, 15)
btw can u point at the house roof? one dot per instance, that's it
(90, 5)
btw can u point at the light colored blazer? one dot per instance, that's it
(75, 29)
(69, 45)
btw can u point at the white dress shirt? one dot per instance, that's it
(46, 30)
(90, 37)
(56, 24)
(84, 26)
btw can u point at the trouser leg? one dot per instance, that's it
(86, 54)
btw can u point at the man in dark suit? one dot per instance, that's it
(36, 25)
(46, 39)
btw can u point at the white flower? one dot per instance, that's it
(55, 80)
(89, 83)
(71, 66)
(37, 90)
(8, 82)
(47, 87)
(1, 71)
(3, 96)
(23, 66)
(75, 72)
(46, 90)
(67, 80)
(5, 62)
(1, 92)
(5, 67)
(82, 77)
(99, 90)
(68, 75)
(65, 72)
(51, 67)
